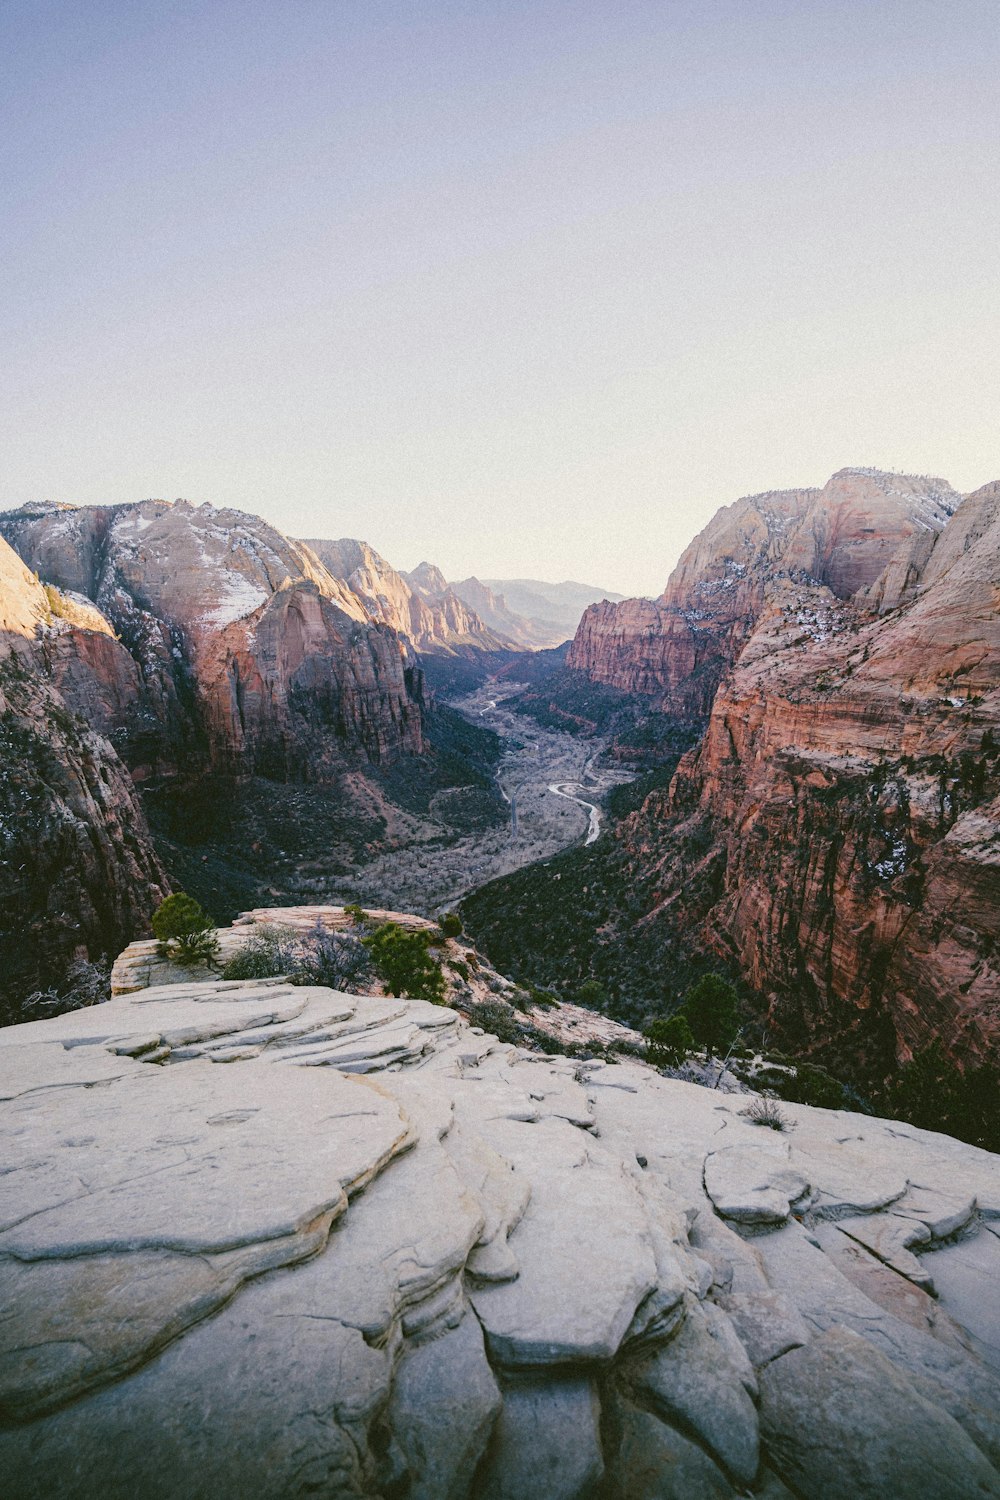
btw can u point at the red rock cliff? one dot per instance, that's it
(676, 649)
(836, 835)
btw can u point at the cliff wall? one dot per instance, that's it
(844, 803)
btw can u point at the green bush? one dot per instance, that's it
(451, 924)
(813, 1085)
(185, 931)
(711, 1010)
(592, 995)
(496, 1017)
(267, 952)
(357, 914)
(668, 1042)
(404, 964)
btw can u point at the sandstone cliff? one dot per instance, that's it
(678, 648)
(835, 834)
(433, 619)
(348, 1245)
(245, 645)
(78, 875)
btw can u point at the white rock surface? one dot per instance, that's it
(413, 1260)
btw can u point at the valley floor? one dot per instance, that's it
(547, 779)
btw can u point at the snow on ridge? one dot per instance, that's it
(242, 597)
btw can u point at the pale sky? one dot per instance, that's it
(527, 288)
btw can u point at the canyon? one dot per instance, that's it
(821, 676)
(264, 723)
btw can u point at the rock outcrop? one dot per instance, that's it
(841, 814)
(275, 1241)
(678, 648)
(78, 875)
(433, 619)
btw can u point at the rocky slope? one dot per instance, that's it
(379, 1253)
(78, 875)
(836, 835)
(678, 648)
(430, 614)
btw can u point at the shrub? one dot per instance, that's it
(814, 1085)
(592, 995)
(496, 1017)
(404, 964)
(766, 1112)
(185, 930)
(668, 1042)
(338, 960)
(451, 924)
(542, 999)
(357, 914)
(84, 984)
(267, 952)
(711, 1010)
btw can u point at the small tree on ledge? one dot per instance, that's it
(668, 1042)
(185, 931)
(404, 964)
(711, 1010)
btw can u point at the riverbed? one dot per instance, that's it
(549, 784)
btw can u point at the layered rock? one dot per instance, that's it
(434, 619)
(678, 648)
(78, 875)
(844, 808)
(378, 1252)
(243, 639)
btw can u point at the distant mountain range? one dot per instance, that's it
(529, 611)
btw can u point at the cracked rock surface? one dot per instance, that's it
(414, 1261)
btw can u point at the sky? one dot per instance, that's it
(526, 289)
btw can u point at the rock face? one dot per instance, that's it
(244, 642)
(271, 1241)
(834, 835)
(678, 648)
(433, 619)
(78, 874)
(844, 800)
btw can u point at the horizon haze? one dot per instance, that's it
(507, 289)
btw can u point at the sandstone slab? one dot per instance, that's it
(816, 1400)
